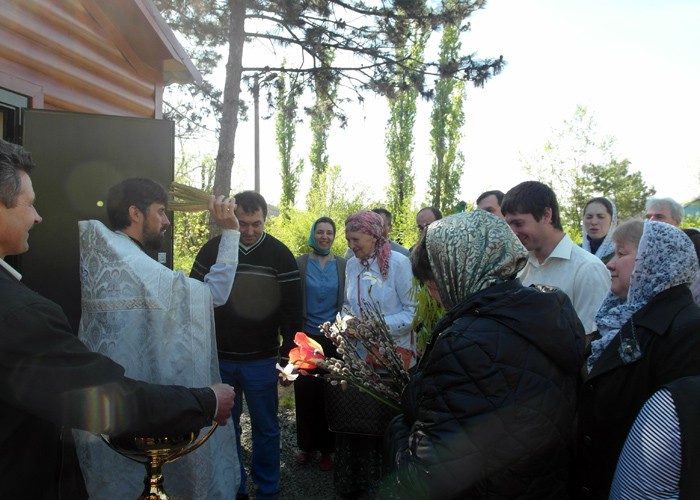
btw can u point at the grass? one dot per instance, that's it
(286, 397)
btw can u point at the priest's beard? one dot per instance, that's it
(152, 240)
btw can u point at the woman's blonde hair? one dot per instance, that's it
(629, 231)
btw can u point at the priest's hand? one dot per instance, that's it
(225, 398)
(222, 209)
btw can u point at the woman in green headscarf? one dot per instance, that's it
(489, 411)
(322, 287)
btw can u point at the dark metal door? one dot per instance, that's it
(78, 158)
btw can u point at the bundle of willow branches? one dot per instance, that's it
(185, 198)
(385, 377)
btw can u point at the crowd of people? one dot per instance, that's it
(557, 370)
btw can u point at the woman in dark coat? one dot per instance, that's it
(648, 336)
(489, 411)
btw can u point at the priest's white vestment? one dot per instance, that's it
(159, 325)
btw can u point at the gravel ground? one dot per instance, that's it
(296, 481)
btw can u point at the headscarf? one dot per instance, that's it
(312, 236)
(665, 258)
(607, 246)
(371, 223)
(471, 251)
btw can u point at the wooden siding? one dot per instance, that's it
(91, 56)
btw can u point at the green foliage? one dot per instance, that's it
(286, 130)
(325, 92)
(286, 397)
(614, 180)
(428, 313)
(191, 230)
(690, 222)
(332, 198)
(399, 130)
(404, 230)
(447, 120)
(365, 37)
(579, 164)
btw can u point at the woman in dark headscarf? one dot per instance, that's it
(489, 411)
(323, 289)
(647, 337)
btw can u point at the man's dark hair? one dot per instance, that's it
(137, 191)
(327, 220)
(384, 211)
(603, 201)
(498, 194)
(694, 235)
(13, 158)
(250, 202)
(436, 212)
(420, 263)
(532, 197)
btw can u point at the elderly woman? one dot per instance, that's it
(374, 273)
(648, 337)
(323, 291)
(599, 223)
(382, 275)
(489, 410)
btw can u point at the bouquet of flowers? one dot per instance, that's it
(369, 356)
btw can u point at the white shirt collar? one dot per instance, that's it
(10, 269)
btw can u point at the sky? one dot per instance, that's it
(634, 64)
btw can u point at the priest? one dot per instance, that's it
(159, 325)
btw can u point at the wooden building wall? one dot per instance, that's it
(92, 56)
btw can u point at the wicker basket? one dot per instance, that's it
(352, 411)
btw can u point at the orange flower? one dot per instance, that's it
(307, 353)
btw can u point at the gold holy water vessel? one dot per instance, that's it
(154, 452)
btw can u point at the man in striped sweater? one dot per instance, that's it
(262, 313)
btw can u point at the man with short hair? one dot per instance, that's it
(132, 303)
(425, 216)
(491, 202)
(532, 211)
(387, 217)
(265, 303)
(665, 210)
(50, 382)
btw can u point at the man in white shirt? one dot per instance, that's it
(532, 212)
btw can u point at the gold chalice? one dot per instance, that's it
(154, 452)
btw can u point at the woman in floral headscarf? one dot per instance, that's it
(377, 273)
(374, 273)
(489, 411)
(648, 336)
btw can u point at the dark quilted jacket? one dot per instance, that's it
(489, 412)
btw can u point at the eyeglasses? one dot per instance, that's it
(421, 227)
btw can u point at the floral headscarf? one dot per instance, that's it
(471, 251)
(312, 236)
(607, 247)
(371, 223)
(665, 258)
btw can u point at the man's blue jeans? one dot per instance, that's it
(257, 382)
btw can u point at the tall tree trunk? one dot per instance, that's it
(231, 95)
